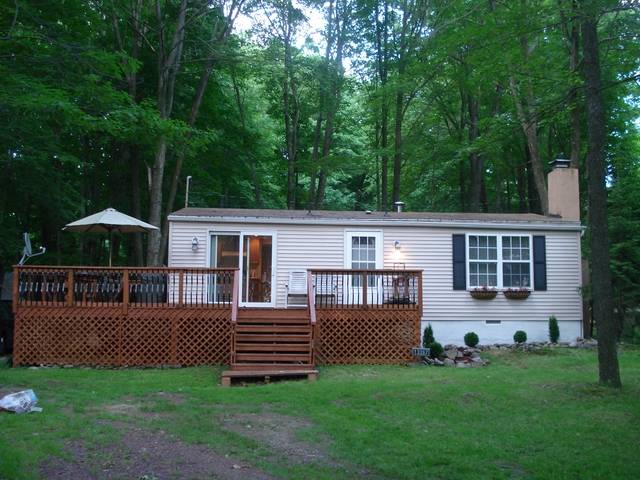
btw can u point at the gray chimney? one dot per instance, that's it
(564, 190)
(399, 206)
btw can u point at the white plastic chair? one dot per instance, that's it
(297, 289)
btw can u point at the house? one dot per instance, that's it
(276, 292)
(456, 253)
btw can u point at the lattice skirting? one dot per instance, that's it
(109, 336)
(346, 336)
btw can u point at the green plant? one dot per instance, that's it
(436, 350)
(471, 339)
(427, 337)
(554, 329)
(520, 336)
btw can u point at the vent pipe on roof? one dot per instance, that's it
(399, 206)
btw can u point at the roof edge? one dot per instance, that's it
(478, 224)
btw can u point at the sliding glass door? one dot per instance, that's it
(225, 253)
(257, 271)
(254, 254)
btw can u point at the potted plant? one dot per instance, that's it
(517, 293)
(484, 293)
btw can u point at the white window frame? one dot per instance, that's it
(348, 289)
(499, 260)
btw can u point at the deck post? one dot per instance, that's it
(15, 289)
(181, 288)
(70, 280)
(365, 293)
(125, 290)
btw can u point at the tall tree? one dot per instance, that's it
(599, 230)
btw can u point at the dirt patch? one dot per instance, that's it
(280, 433)
(148, 454)
(143, 407)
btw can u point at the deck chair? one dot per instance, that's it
(297, 289)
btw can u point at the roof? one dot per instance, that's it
(359, 217)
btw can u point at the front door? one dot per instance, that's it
(257, 272)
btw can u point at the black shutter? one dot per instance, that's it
(459, 263)
(539, 263)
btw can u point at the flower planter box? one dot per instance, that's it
(483, 294)
(517, 294)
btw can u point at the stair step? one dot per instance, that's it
(271, 357)
(273, 329)
(272, 347)
(292, 367)
(247, 337)
(272, 312)
(273, 320)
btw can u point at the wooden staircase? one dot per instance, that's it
(269, 342)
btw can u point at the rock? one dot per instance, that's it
(437, 362)
(427, 361)
(461, 364)
(449, 362)
(451, 354)
(450, 346)
(477, 359)
(573, 344)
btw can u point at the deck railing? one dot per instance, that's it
(393, 289)
(126, 287)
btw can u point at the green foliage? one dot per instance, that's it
(471, 339)
(76, 139)
(554, 329)
(436, 350)
(427, 336)
(520, 336)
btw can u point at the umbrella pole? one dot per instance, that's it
(110, 245)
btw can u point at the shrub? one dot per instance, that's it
(471, 339)
(520, 336)
(436, 350)
(554, 330)
(427, 337)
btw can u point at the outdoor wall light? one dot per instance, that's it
(194, 244)
(397, 245)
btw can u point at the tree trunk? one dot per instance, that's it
(397, 145)
(169, 58)
(599, 231)
(382, 39)
(530, 129)
(477, 163)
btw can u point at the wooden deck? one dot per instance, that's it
(190, 316)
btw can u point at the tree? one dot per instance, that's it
(609, 371)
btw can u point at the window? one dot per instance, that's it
(483, 261)
(516, 259)
(499, 261)
(363, 257)
(363, 251)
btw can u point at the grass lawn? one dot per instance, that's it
(524, 416)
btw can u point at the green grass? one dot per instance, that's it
(525, 416)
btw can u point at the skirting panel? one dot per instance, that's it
(375, 336)
(109, 336)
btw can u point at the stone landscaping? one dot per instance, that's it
(463, 357)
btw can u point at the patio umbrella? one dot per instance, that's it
(109, 221)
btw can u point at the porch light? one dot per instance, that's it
(194, 244)
(396, 254)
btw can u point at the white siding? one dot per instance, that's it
(426, 248)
